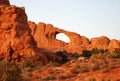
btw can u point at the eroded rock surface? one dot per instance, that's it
(45, 36)
(16, 41)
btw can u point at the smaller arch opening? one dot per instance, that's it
(62, 37)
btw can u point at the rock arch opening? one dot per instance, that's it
(62, 37)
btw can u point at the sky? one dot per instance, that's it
(90, 18)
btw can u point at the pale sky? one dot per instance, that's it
(90, 18)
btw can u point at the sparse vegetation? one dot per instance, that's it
(100, 54)
(65, 76)
(80, 69)
(9, 71)
(50, 77)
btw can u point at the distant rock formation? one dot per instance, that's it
(45, 36)
(114, 44)
(100, 42)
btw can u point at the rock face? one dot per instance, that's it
(4, 2)
(100, 42)
(45, 36)
(114, 44)
(16, 41)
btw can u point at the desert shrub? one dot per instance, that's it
(112, 64)
(65, 76)
(86, 53)
(92, 79)
(28, 62)
(96, 51)
(102, 80)
(63, 57)
(80, 69)
(114, 55)
(74, 55)
(100, 54)
(49, 77)
(9, 71)
(97, 56)
(76, 69)
(105, 66)
(50, 64)
(84, 68)
(94, 67)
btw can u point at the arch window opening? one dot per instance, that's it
(63, 37)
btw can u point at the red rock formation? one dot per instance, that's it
(45, 36)
(85, 41)
(100, 42)
(4, 2)
(114, 44)
(20, 38)
(15, 35)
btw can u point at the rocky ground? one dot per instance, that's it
(96, 70)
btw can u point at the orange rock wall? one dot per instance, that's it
(45, 36)
(16, 41)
